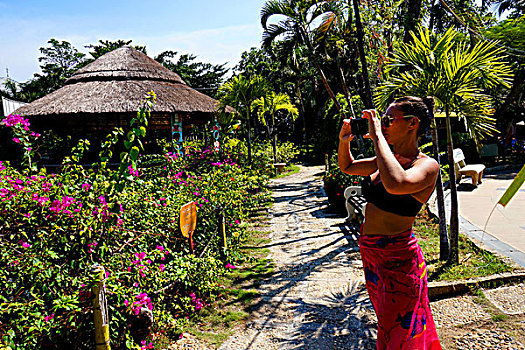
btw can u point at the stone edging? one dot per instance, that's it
(441, 290)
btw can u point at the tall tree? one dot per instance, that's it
(511, 33)
(412, 18)
(283, 76)
(296, 29)
(239, 92)
(457, 76)
(105, 46)
(58, 62)
(362, 55)
(267, 108)
(204, 77)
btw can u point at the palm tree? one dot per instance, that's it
(296, 29)
(239, 92)
(456, 75)
(267, 108)
(335, 37)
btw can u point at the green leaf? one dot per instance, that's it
(513, 188)
(142, 131)
(134, 153)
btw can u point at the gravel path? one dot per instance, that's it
(316, 298)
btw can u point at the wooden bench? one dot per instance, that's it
(355, 203)
(475, 171)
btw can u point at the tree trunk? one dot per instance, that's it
(454, 209)
(359, 28)
(412, 18)
(433, 9)
(303, 112)
(444, 247)
(327, 87)
(345, 89)
(514, 93)
(274, 145)
(249, 138)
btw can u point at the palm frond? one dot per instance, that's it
(272, 8)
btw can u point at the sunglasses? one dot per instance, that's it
(386, 120)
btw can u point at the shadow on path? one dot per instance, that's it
(328, 320)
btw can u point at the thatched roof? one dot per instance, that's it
(115, 83)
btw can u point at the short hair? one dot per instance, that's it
(423, 108)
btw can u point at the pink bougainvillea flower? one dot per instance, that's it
(132, 171)
(126, 302)
(16, 140)
(49, 318)
(161, 267)
(86, 187)
(144, 346)
(159, 247)
(230, 266)
(24, 244)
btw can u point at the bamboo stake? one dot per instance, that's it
(100, 310)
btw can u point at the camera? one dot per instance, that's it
(359, 126)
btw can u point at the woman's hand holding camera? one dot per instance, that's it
(374, 123)
(345, 135)
(368, 129)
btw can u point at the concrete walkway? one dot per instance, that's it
(504, 230)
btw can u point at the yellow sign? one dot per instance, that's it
(188, 219)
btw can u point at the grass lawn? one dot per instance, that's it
(473, 261)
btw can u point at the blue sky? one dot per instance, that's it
(215, 31)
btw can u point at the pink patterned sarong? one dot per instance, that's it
(396, 280)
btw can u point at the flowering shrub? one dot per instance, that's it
(335, 182)
(22, 136)
(54, 227)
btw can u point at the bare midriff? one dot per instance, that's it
(380, 222)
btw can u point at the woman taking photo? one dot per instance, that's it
(399, 180)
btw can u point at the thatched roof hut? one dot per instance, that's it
(107, 92)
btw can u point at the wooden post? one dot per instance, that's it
(100, 310)
(222, 233)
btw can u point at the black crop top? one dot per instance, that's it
(400, 204)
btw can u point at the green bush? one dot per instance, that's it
(55, 227)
